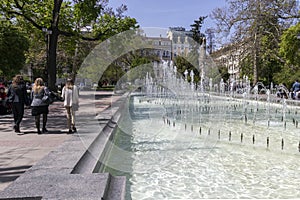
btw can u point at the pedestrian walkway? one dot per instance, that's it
(18, 152)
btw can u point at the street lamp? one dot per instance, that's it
(31, 72)
(172, 48)
(47, 34)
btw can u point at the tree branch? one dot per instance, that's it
(66, 34)
(27, 18)
(289, 17)
(71, 34)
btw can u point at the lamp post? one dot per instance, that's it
(31, 70)
(47, 34)
(172, 48)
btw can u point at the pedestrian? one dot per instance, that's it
(17, 96)
(3, 107)
(295, 89)
(2, 93)
(39, 106)
(71, 103)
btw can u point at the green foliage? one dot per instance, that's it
(182, 64)
(132, 60)
(13, 46)
(139, 73)
(269, 59)
(196, 28)
(88, 20)
(138, 61)
(129, 51)
(86, 11)
(224, 72)
(257, 25)
(290, 51)
(286, 76)
(109, 25)
(193, 55)
(111, 75)
(246, 67)
(290, 46)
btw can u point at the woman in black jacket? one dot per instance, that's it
(17, 94)
(38, 105)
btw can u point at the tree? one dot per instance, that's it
(290, 51)
(257, 24)
(88, 20)
(196, 29)
(290, 46)
(183, 64)
(210, 39)
(198, 38)
(13, 46)
(136, 57)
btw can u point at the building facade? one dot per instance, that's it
(230, 57)
(181, 40)
(161, 47)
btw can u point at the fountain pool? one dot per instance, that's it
(171, 150)
(195, 135)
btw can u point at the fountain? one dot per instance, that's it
(191, 142)
(182, 139)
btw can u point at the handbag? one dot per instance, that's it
(47, 98)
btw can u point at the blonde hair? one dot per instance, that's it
(38, 85)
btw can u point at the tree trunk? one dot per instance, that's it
(52, 60)
(255, 51)
(53, 45)
(75, 63)
(255, 66)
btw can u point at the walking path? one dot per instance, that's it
(18, 152)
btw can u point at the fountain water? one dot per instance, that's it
(227, 157)
(183, 140)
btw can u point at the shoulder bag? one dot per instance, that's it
(47, 98)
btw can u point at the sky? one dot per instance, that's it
(168, 13)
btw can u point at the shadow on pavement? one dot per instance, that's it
(9, 174)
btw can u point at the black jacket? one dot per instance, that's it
(19, 92)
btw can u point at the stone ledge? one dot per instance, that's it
(53, 186)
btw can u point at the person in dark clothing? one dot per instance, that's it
(295, 89)
(18, 95)
(3, 107)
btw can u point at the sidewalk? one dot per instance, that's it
(18, 152)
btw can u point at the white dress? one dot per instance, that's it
(70, 96)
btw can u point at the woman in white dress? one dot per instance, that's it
(71, 103)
